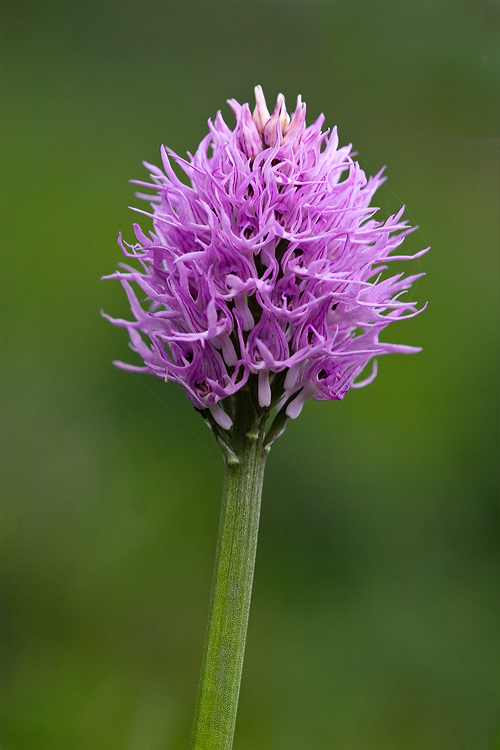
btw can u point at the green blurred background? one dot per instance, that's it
(374, 617)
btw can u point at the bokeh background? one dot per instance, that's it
(374, 621)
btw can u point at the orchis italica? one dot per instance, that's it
(261, 285)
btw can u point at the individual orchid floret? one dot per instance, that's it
(266, 271)
(297, 123)
(261, 113)
(277, 124)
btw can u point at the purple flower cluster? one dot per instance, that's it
(268, 264)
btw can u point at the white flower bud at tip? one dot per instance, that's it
(261, 113)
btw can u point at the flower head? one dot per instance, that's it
(267, 267)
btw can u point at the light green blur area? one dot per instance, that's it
(374, 622)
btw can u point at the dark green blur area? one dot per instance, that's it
(374, 622)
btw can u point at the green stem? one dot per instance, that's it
(219, 687)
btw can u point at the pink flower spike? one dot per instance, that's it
(267, 272)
